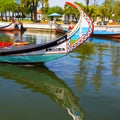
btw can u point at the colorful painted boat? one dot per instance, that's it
(45, 82)
(106, 34)
(52, 50)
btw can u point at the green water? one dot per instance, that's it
(86, 83)
(30, 93)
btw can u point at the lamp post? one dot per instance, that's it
(113, 17)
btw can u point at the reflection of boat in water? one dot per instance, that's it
(45, 82)
(52, 50)
(13, 39)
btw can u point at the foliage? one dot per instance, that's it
(109, 9)
(93, 11)
(32, 5)
(55, 9)
(6, 5)
(116, 10)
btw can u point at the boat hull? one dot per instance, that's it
(29, 59)
(12, 27)
(9, 29)
(106, 34)
(116, 36)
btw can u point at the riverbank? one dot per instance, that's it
(114, 28)
(34, 26)
(48, 27)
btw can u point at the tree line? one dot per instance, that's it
(28, 8)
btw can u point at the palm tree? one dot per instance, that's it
(33, 5)
(87, 3)
(95, 2)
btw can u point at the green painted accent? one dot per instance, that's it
(72, 41)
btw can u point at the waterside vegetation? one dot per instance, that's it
(27, 10)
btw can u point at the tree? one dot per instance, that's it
(93, 12)
(7, 6)
(56, 9)
(87, 4)
(33, 6)
(106, 9)
(116, 10)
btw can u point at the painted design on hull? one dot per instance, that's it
(83, 33)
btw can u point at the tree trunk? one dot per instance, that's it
(31, 13)
(35, 12)
(2, 16)
(5, 16)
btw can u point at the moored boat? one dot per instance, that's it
(60, 29)
(106, 34)
(37, 53)
(13, 26)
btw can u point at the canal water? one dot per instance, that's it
(84, 85)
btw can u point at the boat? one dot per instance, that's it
(60, 29)
(106, 34)
(63, 30)
(39, 53)
(45, 82)
(13, 26)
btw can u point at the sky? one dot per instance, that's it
(61, 3)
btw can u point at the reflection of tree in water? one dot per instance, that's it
(41, 80)
(97, 77)
(4, 38)
(115, 55)
(22, 37)
(84, 53)
(95, 68)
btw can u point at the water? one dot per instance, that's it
(84, 84)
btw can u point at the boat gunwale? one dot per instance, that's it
(3, 27)
(31, 47)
